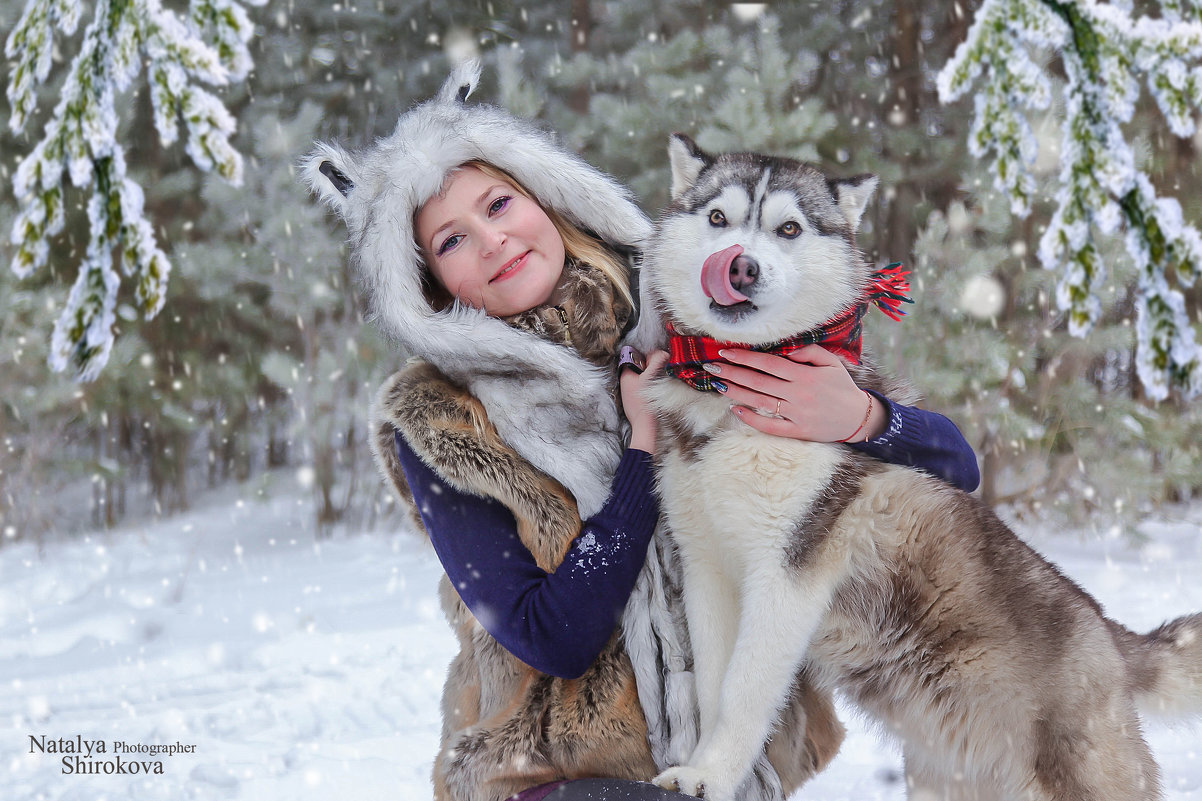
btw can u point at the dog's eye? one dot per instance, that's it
(717, 218)
(789, 230)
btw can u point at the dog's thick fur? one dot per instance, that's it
(1001, 677)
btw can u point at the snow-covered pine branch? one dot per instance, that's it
(209, 46)
(1106, 53)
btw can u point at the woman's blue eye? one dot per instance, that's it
(448, 243)
(498, 204)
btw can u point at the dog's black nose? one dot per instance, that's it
(744, 271)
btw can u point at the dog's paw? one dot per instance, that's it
(684, 779)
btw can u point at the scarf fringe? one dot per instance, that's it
(889, 288)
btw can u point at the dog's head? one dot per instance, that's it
(755, 248)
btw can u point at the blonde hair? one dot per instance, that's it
(577, 244)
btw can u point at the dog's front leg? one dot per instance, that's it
(712, 611)
(781, 611)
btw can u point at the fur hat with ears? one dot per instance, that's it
(377, 190)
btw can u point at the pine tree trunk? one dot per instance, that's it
(905, 108)
(990, 466)
(214, 461)
(110, 507)
(153, 456)
(97, 494)
(579, 29)
(277, 448)
(181, 451)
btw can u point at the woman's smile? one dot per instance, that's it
(511, 269)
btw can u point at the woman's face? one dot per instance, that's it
(489, 245)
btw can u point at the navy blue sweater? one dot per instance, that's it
(559, 622)
(927, 440)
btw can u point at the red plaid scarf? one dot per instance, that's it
(842, 335)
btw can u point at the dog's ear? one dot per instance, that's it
(329, 173)
(852, 195)
(687, 161)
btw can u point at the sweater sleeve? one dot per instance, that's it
(557, 622)
(926, 440)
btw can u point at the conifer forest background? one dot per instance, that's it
(260, 368)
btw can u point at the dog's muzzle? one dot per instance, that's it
(728, 274)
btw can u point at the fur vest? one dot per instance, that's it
(507, 727)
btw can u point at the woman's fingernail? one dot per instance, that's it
(718, 385)
(722, 353)
(710, 367)
(737, 410)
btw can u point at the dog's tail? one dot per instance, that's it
(1165, 666)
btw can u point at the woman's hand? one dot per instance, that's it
(807, 395)
(638, 411)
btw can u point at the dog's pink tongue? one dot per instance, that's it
(715, 277)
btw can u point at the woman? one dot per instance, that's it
(501, 260)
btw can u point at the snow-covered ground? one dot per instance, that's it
(303, 669)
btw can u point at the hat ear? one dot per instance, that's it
(329, 173)
(687, 161)
(460, 83)
(853, 195)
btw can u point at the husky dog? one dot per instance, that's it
(1000, 676)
